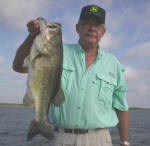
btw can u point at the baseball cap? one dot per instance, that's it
(93, 11)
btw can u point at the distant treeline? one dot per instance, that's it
(138, 108)
(21, 105)
(10, 104)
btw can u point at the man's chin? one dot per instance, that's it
(90, 42)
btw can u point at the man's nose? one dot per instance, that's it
(92, 27)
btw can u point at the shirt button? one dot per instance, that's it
(78, 107)
(93, 82)
(76, 126)
(121, 87)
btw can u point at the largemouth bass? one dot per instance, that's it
(44, 75)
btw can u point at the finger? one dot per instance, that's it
(33, 26)
(33, 23)
(33, 30)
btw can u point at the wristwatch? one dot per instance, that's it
(125, 143)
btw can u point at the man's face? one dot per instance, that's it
(90, 31)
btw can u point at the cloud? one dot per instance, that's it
(10, 78)
(137, 79)
(132, 19)
(69, 32)
(141, 16)
(131, 74)
(2, 59)
(16, 13)
(12, 85)
(140, 51)
(138, 86)
(5, 68)
(19, 83)
(109, 42)
(124, 29)
(138, 94)
(102, 3)
(140, 74)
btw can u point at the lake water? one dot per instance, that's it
(14, 122)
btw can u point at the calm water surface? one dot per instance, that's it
(14, 122)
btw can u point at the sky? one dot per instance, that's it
(127, 37)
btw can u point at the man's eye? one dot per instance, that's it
(85, 23)
(97, 24)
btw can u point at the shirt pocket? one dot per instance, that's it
(107, 85)
(67, 78)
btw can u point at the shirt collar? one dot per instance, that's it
(99, 55)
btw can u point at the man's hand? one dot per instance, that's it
(24, 49)
(33, 27)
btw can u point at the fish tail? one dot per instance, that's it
(43, 128)
(33, 130)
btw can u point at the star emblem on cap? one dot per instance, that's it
(94, 9)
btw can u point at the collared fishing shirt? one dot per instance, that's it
(91, 95)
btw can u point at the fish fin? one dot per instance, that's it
(42, 23)
(27, 100)
(43, 128)
(35, 52)
(59, 98)
(26, 61)
(33, 130)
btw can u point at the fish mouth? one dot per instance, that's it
(53, 26)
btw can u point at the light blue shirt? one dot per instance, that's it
(91, 95)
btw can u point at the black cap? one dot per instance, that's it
(93, 11)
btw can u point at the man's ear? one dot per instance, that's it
(77, 28)
(104, 31)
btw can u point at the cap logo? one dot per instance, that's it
(94, 9)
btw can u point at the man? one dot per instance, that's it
(93, 83)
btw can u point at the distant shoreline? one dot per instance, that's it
(138, 108)
(11, 104)
(22, 105)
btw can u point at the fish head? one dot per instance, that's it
(53, 32)
(51, 37)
